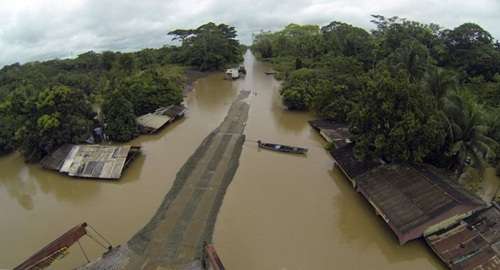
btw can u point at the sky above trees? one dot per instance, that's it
(44, 29)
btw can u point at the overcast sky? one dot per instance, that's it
(44, 29)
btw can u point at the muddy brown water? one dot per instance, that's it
(280, 212)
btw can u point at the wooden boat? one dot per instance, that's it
(270, 72)
(55, 250)
(282, 148)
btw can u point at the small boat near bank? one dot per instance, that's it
(282, 148)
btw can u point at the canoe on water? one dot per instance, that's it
(282, 148)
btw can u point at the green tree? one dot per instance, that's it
(336, 99)
(127, 62)
(347, 40)
(468, 140)
(7, 128)
(119, 118)
(208, 47)
(395, 119)
(150, 90)
(471, 49)
(263, 44)
(440, 82)
(58, 115)
(300, 88)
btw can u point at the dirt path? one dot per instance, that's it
(173, 238)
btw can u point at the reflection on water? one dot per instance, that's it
(280, 212)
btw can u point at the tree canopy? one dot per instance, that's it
(410, 92)
(208, 47)
(46, 104)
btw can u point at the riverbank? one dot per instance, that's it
(174, 237)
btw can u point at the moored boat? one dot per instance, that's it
(282, 148)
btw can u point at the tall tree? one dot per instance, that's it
(468, 143)
(208, 47)
(57, 116)
(395, 118)
(119, 118)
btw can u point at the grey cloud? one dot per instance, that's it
(43, 29)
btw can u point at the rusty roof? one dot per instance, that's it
(473, 244)
(344, 158)
(411, 199)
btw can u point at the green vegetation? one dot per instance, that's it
(46, 104)
(118, 114)
(208, 47)
(57, 115)
(410, 92)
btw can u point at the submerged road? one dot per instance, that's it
(174, 237)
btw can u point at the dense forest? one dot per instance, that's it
(410, 92)
(46, 104)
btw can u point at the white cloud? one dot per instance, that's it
(43, 29)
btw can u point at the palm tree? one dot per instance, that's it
(493, 121)
(469, 143)
(440, 82)
(411, 56)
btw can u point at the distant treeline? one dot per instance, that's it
(411, 92)
(46, 104)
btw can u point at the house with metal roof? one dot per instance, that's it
(91, 161)
(351, 167)
(415, 201)
(332, 132)
(152, 122)
(471, 244)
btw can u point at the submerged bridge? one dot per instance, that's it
(174, 237)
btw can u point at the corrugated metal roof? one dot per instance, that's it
(96, 161)
(412, 199)
(473, 244)
(152, 120)
(91, 161)
(332, 131)
(344, 157)
(55, 160)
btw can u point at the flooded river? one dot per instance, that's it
(280, 212)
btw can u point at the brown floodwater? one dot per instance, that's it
(280, 212)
